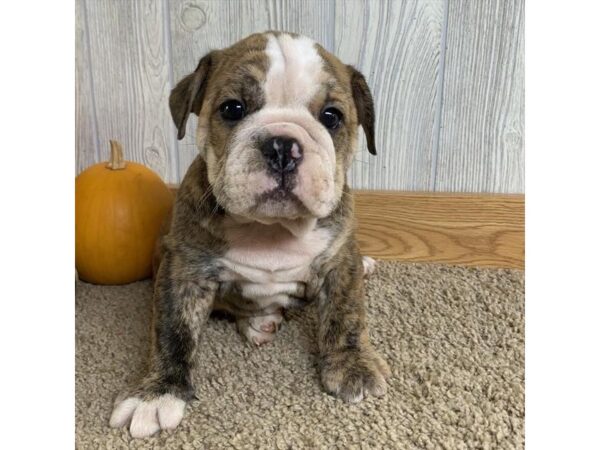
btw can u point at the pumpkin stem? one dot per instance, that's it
(116, 161)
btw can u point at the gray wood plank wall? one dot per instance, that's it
(447, 77)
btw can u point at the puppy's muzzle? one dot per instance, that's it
(282, 154)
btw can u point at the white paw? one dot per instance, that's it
(261, 329)
(268, 323)
(258, 337)
(147, 417)
(368, 265)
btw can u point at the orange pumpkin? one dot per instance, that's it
(119, 209)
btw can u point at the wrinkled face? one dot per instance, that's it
(278, 122)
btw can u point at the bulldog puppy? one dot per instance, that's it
(263, 220)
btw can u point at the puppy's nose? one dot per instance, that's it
(282, 153)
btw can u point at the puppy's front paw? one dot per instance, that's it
(350, 375)
(147, 416)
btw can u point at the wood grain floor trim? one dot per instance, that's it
(483, 230)
(473, 230)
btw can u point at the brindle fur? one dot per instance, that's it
(187, 286)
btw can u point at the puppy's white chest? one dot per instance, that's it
(269, 264)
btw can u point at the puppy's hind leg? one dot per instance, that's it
(368, 265)
(260, 329)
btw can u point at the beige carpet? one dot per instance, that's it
(454, 338)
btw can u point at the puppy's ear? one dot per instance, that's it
(187, 96)
(364, 106)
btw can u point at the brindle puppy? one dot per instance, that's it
(263, 219)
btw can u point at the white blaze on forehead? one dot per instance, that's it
(295, 70)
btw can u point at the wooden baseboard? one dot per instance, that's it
(484, 230)
(465, 229)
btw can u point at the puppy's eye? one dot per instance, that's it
(331, 118)
(232, 110)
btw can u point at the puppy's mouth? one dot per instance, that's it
(270, 194)
(281, 164)
(280, 202)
